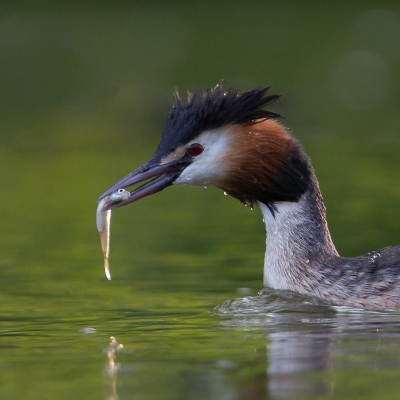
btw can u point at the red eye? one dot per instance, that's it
(195, 149)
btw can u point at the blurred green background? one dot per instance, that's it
(84, 91)
(86, 86)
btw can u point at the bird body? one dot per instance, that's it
(226, 139)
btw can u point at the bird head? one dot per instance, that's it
(228, 140)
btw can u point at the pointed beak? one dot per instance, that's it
(163, 176)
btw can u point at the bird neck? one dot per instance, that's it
(298, 241)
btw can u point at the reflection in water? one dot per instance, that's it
(112, 368)
(290, 353)
(303, 341)
(290, 356)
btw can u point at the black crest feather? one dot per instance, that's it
(213, 109)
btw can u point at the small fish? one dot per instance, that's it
(103, 221)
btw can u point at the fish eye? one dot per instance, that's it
(195, 149)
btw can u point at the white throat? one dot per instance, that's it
(298, 241)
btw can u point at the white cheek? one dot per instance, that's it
(208, 168)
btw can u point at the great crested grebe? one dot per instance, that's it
(227, 139)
